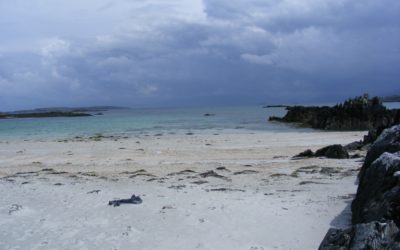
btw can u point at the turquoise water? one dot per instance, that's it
(150, 121)
(145, 121)
(392, 105)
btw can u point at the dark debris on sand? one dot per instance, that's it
(133, 200)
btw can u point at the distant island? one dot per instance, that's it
(275, 106)
(391, 98)
(68, 109)
(42, 115)
(56, 112)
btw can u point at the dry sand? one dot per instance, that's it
(54, 193)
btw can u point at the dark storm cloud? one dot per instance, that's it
(154, 53)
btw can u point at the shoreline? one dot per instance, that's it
(259, 198)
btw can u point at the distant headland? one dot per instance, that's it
(391, 98)
(57, 112)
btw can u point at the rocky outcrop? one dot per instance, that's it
(360, 113)
(376, 207)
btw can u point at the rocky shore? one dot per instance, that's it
(375, 210)
(360, 113)
(376, 207)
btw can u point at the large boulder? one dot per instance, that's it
(388, 141)
(378, 194)
(336, 151)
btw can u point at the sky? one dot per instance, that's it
(158, 53)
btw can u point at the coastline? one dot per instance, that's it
(262, 198)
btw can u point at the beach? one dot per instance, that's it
(199, 125)
(206, 190)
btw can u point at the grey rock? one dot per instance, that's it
(376, 207)
(378, 194)
(388, 141)
(336, 239)
(374, 236)
(334, 151)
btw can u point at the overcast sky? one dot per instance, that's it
(195, 52)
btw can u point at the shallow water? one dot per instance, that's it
(236, 119)
(146, 121)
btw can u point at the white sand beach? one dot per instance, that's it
(54, 193)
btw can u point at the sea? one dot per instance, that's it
(152, 121)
